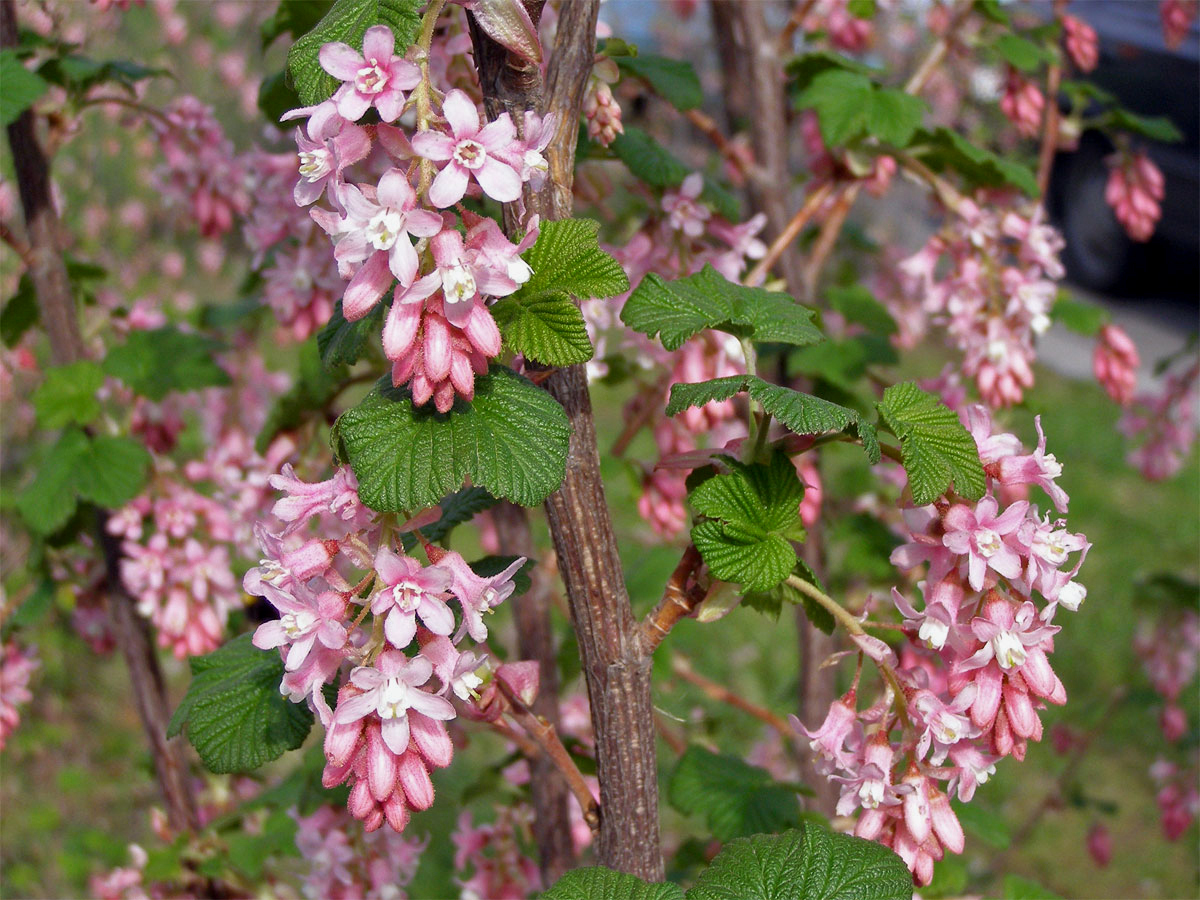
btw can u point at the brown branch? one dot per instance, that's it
(795, 20)
(719, 692)
(827, 239)
(617, 672)
(677, 602)
(1050, 128)
(48, 272)
(707, 126)
(535, 641)
(546, 738)
(790, 232)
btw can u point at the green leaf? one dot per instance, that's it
(235, 716)
(510, 440)
(803, 69)
(1156, 128)
(49, 501)
(753, 514)
(937, 450)
(858, 305)
(672, 79)
(22, 88)
(648, 161)
(547, 328)
(802, 413)
(1083, 318)
(34, 608)
(541, 320)
(341, 342)
(80, 74)
(677, 310)
(20, 312)
(276, 97)
(735, 798)
(115, 471)
(894, 116)
(1021, 53)
(944, 149)
(808, 864)
(842, 101)
(842, 362)
(68, 395)
(599, 883)
(347, 22)
(154, 363)
(1018, 888)
(861, 9)
(461, 506)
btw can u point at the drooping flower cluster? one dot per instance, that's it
(438, 334)
(988, 277)
(1170, 653)
(17, 664)
(975, 670)
(1178, 798)
(1177, 17)
(1022, 103)
(1163, 424)
(844, 30)
(1135, 191)
(388, 728)
(1115, 363)
(601, 110)
(346, 863)
(1083, 45)
(201, 170)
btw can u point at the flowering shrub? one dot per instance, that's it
(415, 264)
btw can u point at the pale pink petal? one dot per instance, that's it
(433, 145)
(460, 112)
(500, 182)
(450, 185)
(402, 259)
(340, 60)
(378, 44)
(368, 285)
(395, 734)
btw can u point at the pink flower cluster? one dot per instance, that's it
(1178, 799)
(1022, 103)
(844, 30)
(438, 334)
(346, 863)
(1177, 17)
(388, 730)
(1135, 191)
(17, 664)
(1115, 363)
(1163, 424)
(502, 869)
(201, 170)
(989, 278)
(1170, 654)
(601, 110)
(1083, 46)
(975, 670)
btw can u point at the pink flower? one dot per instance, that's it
(1135, 191)
(478, 595)
(1083, 46)
(829, 740)
(390, 689)
(16, 665)
(331, 144)
(469, 151)
(378, 232)
(979, 536)
(1022, 103)
(487, 263)
(305, 619)
(683, 211)
(1177, 16)
(1115, 363)
(375, 77)
(411, 590)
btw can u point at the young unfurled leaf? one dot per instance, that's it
(235, 716)
(802, 413)
(808, 864)
(511, 440)
(676, 310)
(68, 395)
(347, 22)
(154, 363)
(541, 320)
(673, 79)
(599, 883)
(735, 798)
(937, 450)
(752, 515)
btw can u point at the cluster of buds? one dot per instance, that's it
(393, 627)
(1178, 799)
(845, 30)
(1115, 363)
(994, 297)
(601, 110)
(975, 668)
(1083, 46)
(1177, 17)
(1022, 103)
(1135, 191)
(1169, 653)
(201, 169)
(438, 333)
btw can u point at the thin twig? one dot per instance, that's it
(789, 29)
(677, 602)
(789, 233)
(935, 55)
(719, 692)
(830, 230)
(675, 741)
(546, 738)
(1050, 129)
(707, 126)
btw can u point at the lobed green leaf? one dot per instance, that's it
(154, 363)
(735, 798)
(672, 79)
(236, 717)
(68, 395)
(599, 883)
(677, 310)
(938, 452)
